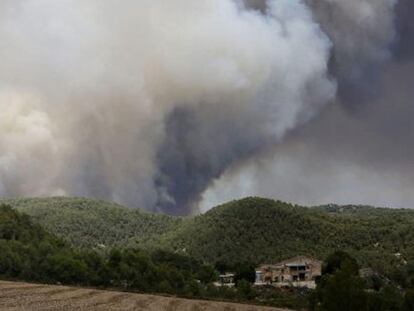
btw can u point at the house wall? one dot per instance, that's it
(283, 273)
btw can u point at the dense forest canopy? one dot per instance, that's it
(30, 253)
(254, 229)
(95, 243)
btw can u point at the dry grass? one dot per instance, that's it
(25, 296)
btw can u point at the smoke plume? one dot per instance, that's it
(358, 150)
(151, 103)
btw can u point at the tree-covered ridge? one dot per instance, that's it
(253, 230)
(262, 230)
(257, 230)
(29, 253)
(94, 223)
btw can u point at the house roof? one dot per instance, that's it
(296, 264)
(298, 260)
(295, 261)
(227, 275)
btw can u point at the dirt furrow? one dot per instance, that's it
(36, 297)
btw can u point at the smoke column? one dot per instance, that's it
(359, 149)
(150, 102)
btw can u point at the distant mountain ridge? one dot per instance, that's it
(252, 229)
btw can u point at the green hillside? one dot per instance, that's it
(30, 253)
(253, 229)
(93, 223)
(262, 230)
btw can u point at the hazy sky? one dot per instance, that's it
(175, 106)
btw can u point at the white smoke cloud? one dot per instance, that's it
(343, 158)
(86, 86)
(28, 145)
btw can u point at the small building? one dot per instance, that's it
(259, 278)
(226, 279)
(299, 271)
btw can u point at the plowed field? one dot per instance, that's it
(25, 296)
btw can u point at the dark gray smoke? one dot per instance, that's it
(404, 49)
(163, 104)
(201, 143)
(358, 150)
(146, 102)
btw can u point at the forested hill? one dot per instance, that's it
(252, 229)
(263, 230)
(94, 223)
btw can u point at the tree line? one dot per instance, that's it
(29, 253)
(341, 288)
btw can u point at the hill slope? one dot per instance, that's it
(262, 230)
(28, 252)
(252, 229)
(91, 223)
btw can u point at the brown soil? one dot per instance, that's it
(24, 296)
